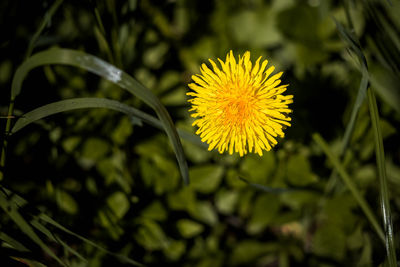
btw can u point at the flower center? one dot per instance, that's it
(237, 108)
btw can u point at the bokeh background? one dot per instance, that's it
(115, 180)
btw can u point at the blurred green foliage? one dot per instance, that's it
(115, 181)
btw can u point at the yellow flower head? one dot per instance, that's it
(239, 107)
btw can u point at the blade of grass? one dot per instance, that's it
(11, 209)
(46, 19)
(14, 243)
(122, 258)
(384, 193)
(81, 103)
(35, 223)
(384, 198)
(353, 42)
(361, 94)
(350, 185)
(17, 201)
(267, 188)
(112, 74)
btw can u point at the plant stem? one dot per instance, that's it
(384, 193)
(350, 185)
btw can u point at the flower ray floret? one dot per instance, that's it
(239, 107)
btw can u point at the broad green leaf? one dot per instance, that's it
(183, 199)
(329, 241)
(204, 212)
(206, 178)
(340, 207)
(300, 23)
(255, 27)
(123, 131)
(151, 236)
(155, 211)
(175, 249)
(258, 169)
(299, 171)
(119, 204)
(188, 228)
(248, 251)
(95, 149)
(300, 199)
(226, 201)
(66, 202)
(265, 208)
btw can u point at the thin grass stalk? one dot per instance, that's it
(350, 185)
(384, 192)
(47, 17)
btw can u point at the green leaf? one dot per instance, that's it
(299, 171)
(94, 149)
(184, 199)
(155, 211)
(206, 178)
(245, 252)
(188, 228)
(123, 131)
(110, 73)
(265, 208)
(66, 202)
(175, 249)
(300, 23)
(151, 236)
(203, 211)
(300, 199)
(258, 169)
(329, 241)
(255, 28)
(119, 204)
(226, 201)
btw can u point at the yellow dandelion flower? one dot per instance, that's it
(239, 107)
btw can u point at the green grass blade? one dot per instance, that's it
(14, 243)
(361, 94)
(11, 209)
(46, 20)
(350, 185)
(108, 72)
(122, 258)
(384, 193)
(35, 223)
(81, 103)
(352, 41)
(267, 189)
